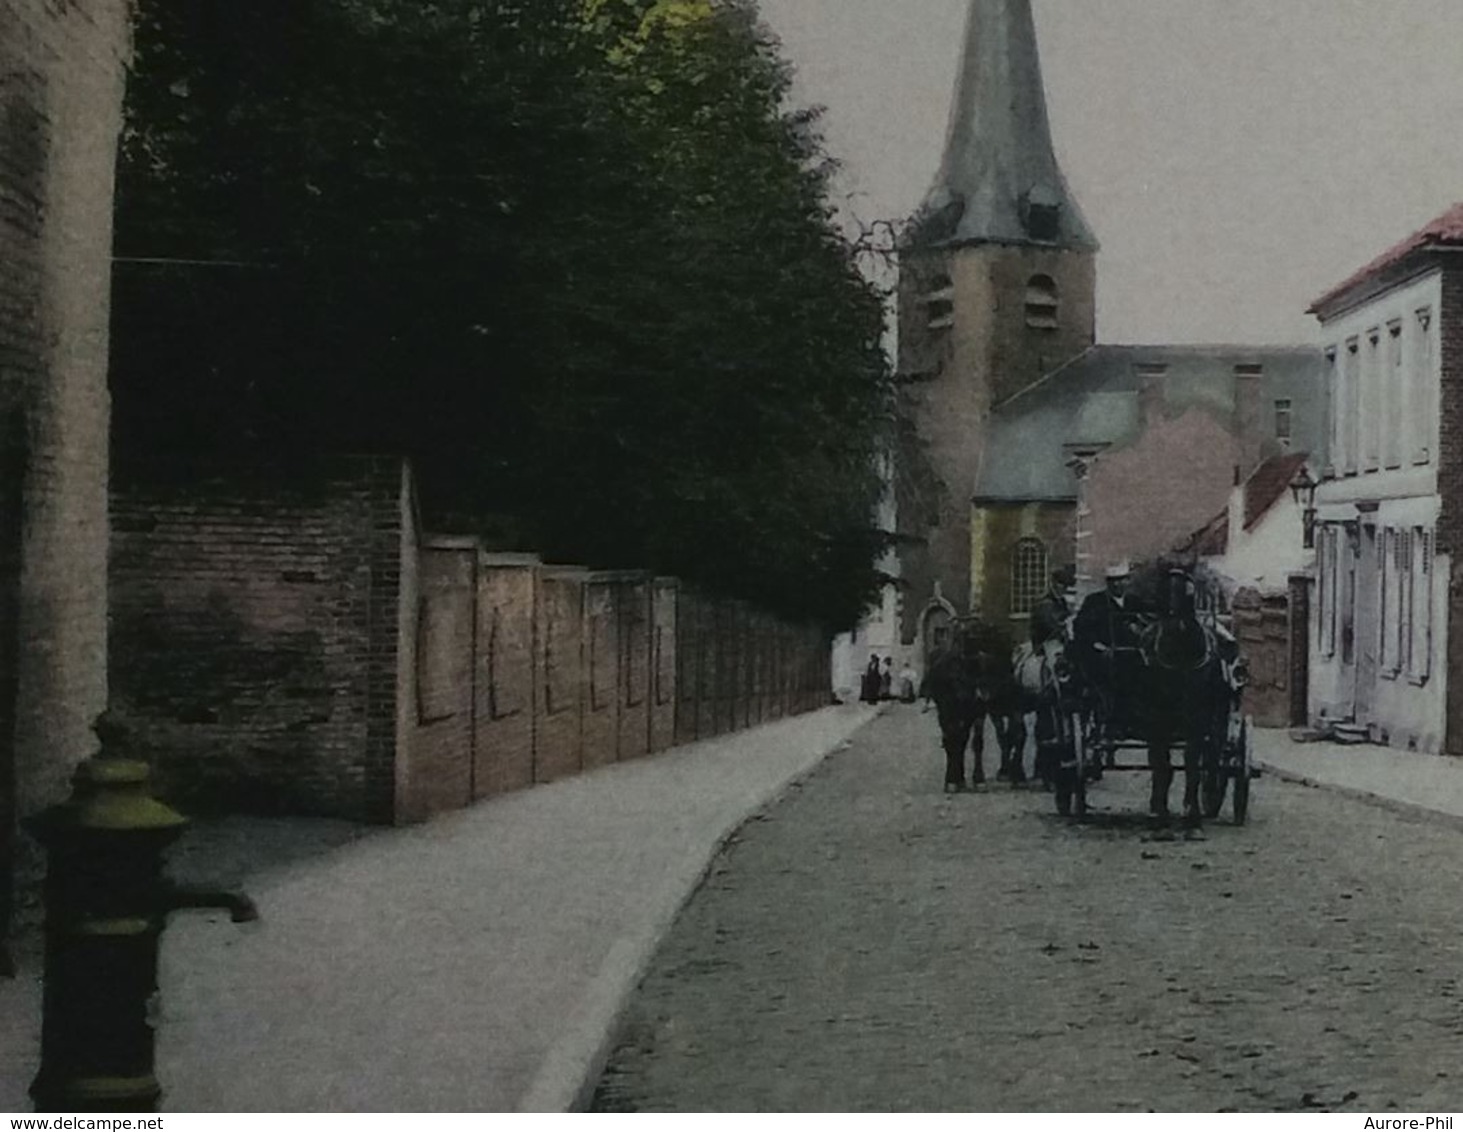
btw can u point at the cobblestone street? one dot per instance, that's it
(872, 944)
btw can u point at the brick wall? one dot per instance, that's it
(296, 645)
(635, 691)
(688, 664)
(665, 663)
(1137, 514)
(62, 69)
(443, 689)
(602, 670)
(1450, 489)
(558, 735)
(503, 746)
(254, 635)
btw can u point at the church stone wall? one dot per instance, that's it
(995, 532)
(954, 376)
(1019, 354)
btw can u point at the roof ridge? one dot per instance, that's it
(1443, 231)
(1275, 488)
(1044, 378)
(1228, 347)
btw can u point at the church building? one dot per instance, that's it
(1025, 445)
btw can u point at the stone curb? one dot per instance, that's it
(567, 1079)
(1381, 801)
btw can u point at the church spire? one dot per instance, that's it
(999, 181)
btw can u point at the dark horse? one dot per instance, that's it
(1184, 694)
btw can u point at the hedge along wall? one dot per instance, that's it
(296, 644)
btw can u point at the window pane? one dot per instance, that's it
(1028, 575)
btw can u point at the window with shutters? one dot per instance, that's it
(1323, 597)
(1370, 405)
(1395, 632)
(1386, 585)
(1421, 629)
(1333, 371)
(1283, 422)
(1404, 599)
(939, 303)
(1351, 410)
(1394, 400)
(1041, 302)
(1028, 575)
(1331, 599)
(1423, 389)
(1347, 628)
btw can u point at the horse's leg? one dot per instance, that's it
(977, 749)
(1041, 764)
(954, 734)
(1016, 741)
(1193, 761)
(1159, 752)
(1198, 752)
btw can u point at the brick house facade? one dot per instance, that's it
(62, 76)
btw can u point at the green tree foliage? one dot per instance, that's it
(576, 257)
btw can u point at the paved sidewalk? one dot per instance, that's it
(1401, 780)
(476, 963)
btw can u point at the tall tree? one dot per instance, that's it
(577, 257)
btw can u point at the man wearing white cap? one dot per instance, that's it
(1104, 628)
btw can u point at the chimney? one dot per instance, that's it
(1249, 427)
(1152, 390)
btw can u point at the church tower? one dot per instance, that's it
(996, 289)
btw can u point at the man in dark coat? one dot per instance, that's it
(954, 683)
(1049, 615)
(1105, 639)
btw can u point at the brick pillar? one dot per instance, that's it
(1449, 540)
(1300, 649)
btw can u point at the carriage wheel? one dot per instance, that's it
(1242, 773)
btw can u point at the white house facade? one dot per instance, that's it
(1379, 611)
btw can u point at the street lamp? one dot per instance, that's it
(1303, 490)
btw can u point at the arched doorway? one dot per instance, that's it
(936, 625)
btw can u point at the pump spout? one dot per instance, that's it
(240, 908)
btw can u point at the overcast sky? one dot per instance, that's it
(1235, 157)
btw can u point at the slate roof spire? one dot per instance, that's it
(999, 181)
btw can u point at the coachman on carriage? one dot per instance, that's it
(1144, 667)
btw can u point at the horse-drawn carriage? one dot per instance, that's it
(1172, 680)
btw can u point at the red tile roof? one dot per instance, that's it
(1444, 232)
(1268, 484)
(1210, 540)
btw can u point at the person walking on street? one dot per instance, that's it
(953, 682)
(869, 685)
(906, 684)
(886, 679)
